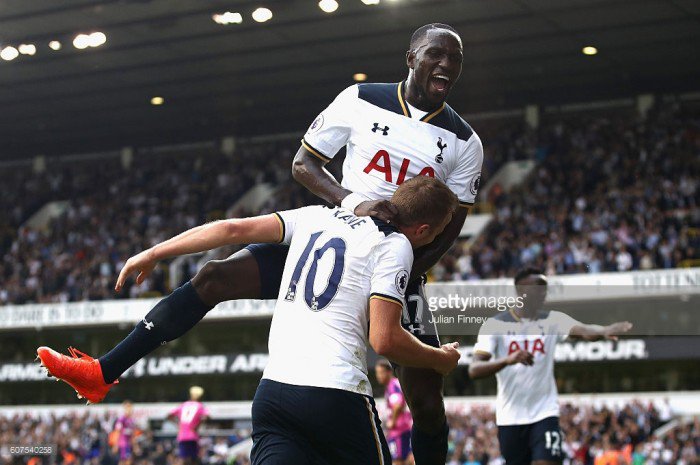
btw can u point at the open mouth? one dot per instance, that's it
(440, 82)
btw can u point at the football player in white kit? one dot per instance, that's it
(392, 133)
(343, 288)
(518, 347)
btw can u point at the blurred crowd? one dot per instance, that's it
(622, 435)
(90, 439)
(613, 193)
(114, 211)
(628, 434)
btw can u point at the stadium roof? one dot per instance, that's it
(260, 78)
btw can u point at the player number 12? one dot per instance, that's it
(552, 441)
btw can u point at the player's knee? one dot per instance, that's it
(210, 282)
(428, 410)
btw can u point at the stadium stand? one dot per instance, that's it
(88, 438)
(608, 194)
(115, 211)
(566, 218)
(639, 432)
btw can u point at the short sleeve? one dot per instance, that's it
(487, 341)
(393, 258)
(465, 178)
(330, 131)
(563, 323)
(289, 219)
(176, 411)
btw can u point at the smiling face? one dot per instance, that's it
(435, 63)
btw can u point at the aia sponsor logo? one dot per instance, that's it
(528, 346)
(381, 162)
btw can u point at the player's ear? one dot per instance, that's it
(411, 58)
(423, 229)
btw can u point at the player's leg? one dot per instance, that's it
(237, 277)
(277, 435)
(423, 388)
(188, 452)
(344, 427)
(400, 448)
(514, 444)
(546, 442)
(423, 391)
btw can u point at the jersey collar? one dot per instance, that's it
(401, 92)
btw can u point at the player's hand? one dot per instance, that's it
(380, 209)
(612, 331)
(450, 358)
(390, 423)
(143, 263)
(520, 356)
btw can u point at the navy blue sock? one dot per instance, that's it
(430, 449)
(169, 319)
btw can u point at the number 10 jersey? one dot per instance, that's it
(336, 263)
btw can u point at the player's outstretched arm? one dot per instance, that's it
(426, 257)
(482, 366)
(310, 172)
(598, 332)
(266, 228)
(390, 340)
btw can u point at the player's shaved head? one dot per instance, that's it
(527, 272)
(434, 62)
(424, 199)
(420, 33)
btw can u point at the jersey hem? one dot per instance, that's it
(352, 388)
(388, 298)
(315, 151)
(283, 227)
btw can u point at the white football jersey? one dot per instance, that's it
(526, 394)
(386, 147)
(336, 263)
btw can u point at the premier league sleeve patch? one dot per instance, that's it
(316, 125)
(402, 281)
(474, 185)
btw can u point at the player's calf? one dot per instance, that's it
(423, 391)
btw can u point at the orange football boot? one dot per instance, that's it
(82, 372)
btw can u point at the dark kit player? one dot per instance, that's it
(392, 132)
(518, 347)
